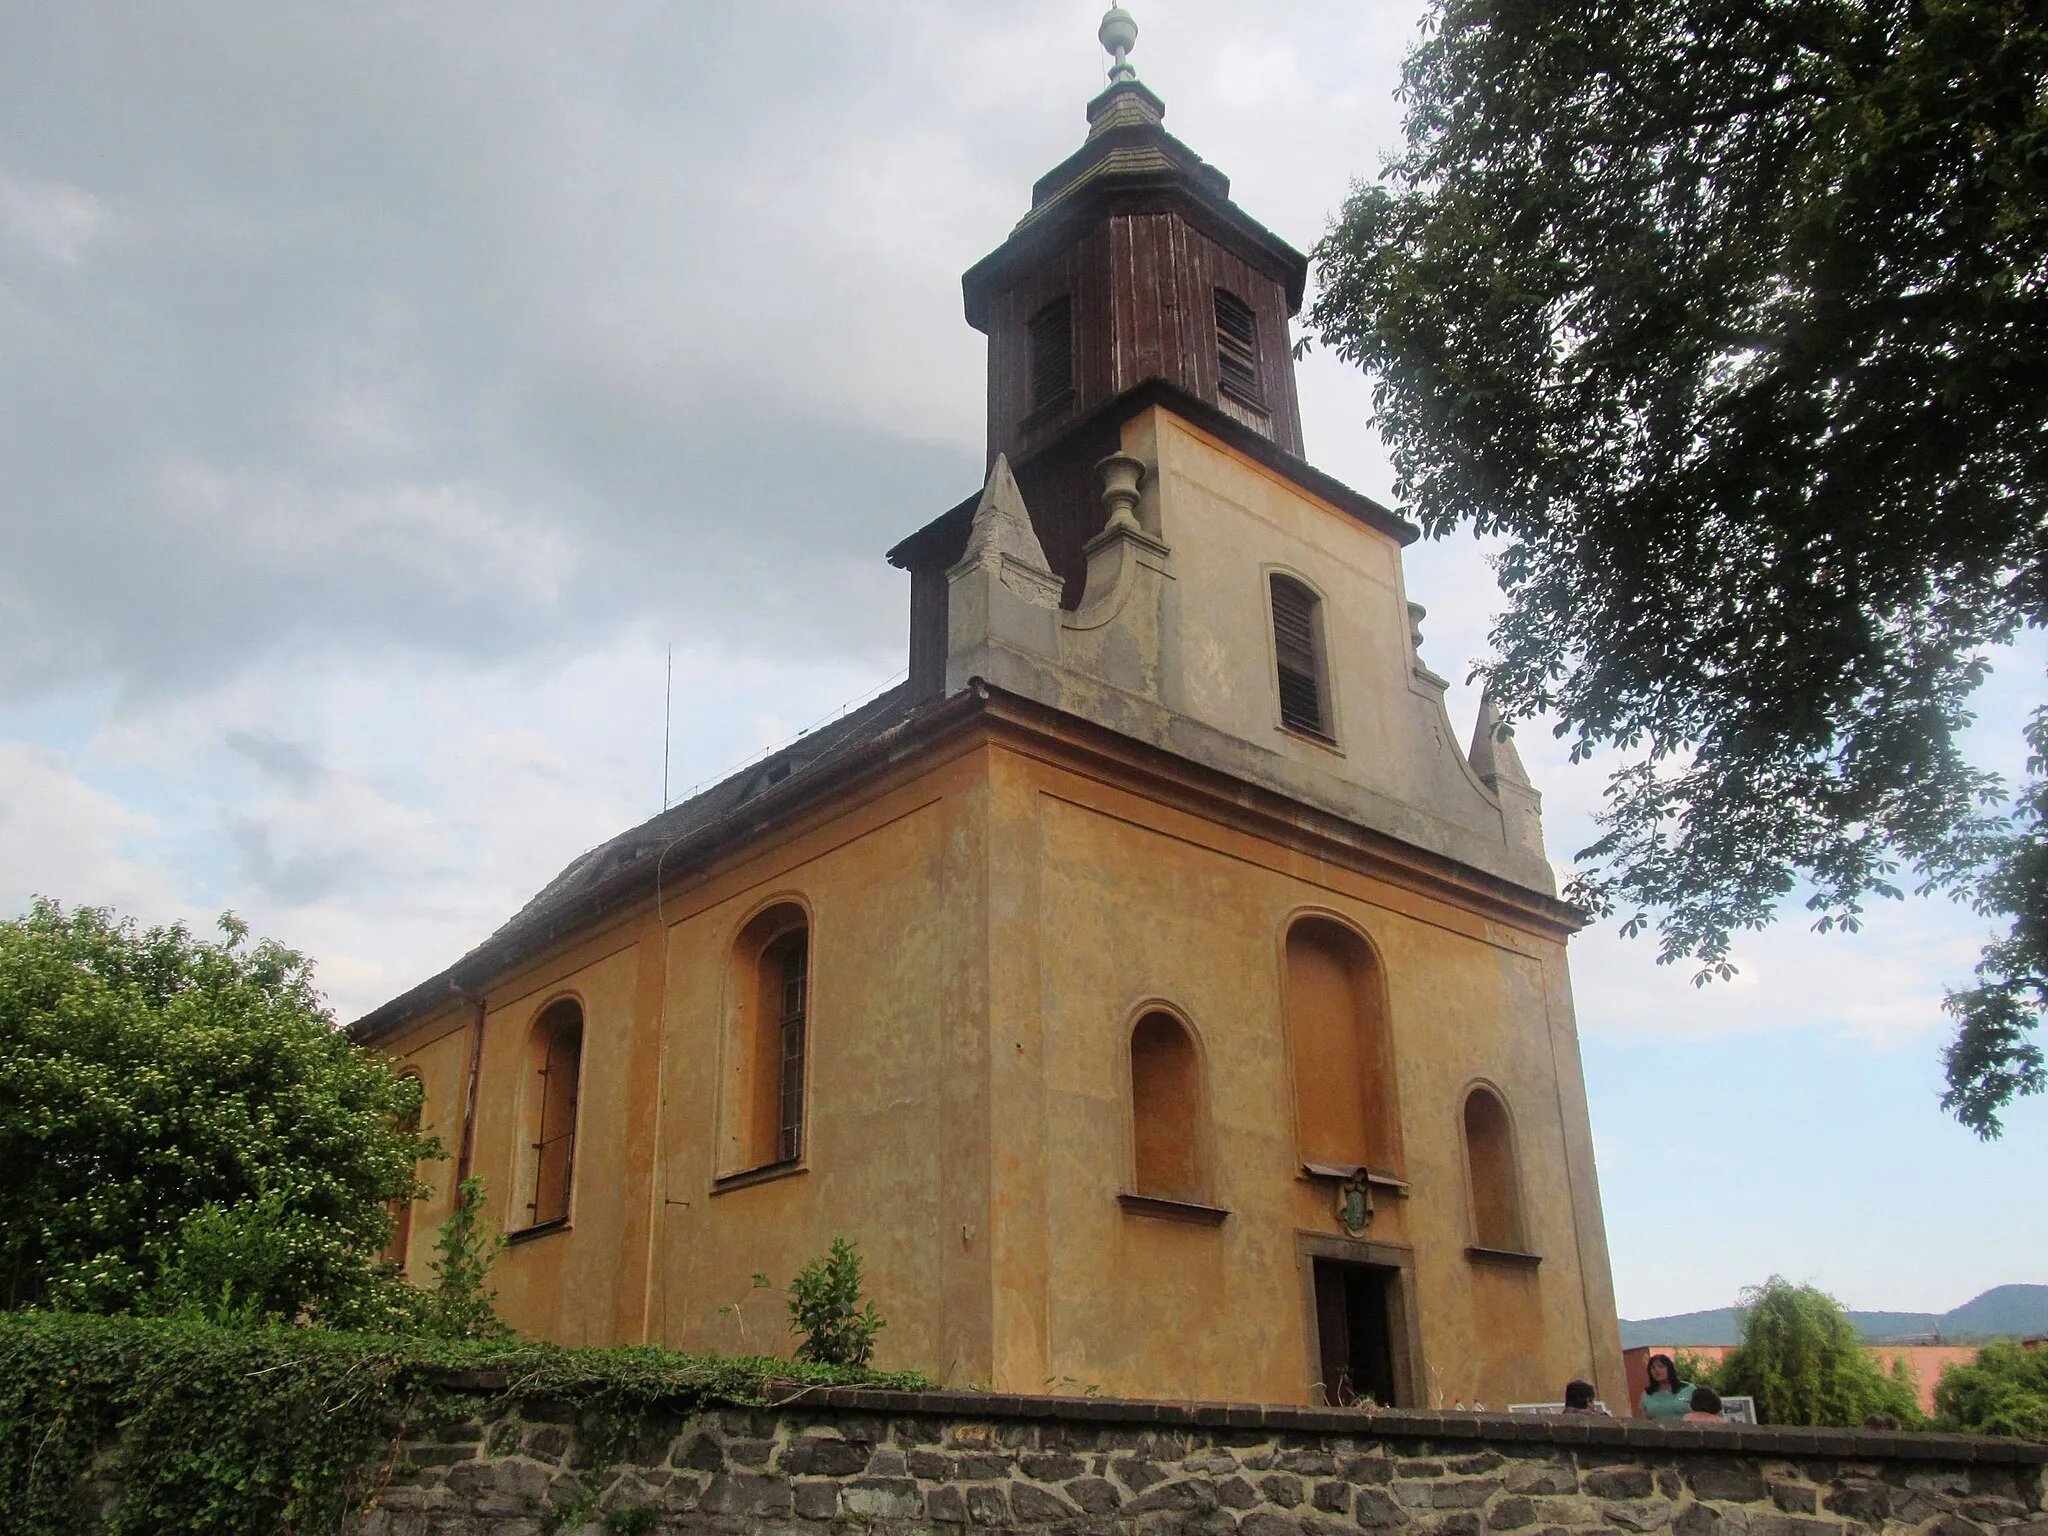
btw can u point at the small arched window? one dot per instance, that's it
(1298, 657)
(1166, 1110)
(556, 1062)
(772, 974)
(1490, 1168)
(400, 1246)
(1347, 1113)
(1051, 335)
(1237, 350)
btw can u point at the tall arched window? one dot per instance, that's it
(1490, 1168)
(1166, 1110)
(556, 1060)
(400, 1246)
(1347, 1112)
(772, 965)
(1298, 656)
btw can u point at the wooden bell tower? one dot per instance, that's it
(1134, 264)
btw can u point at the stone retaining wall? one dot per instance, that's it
(958, 1464)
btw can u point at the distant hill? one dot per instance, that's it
(2020, 1309)
(2002, 1309)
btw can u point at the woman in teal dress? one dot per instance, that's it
(1668, 1399)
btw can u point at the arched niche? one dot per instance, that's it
(1167, 1112)
(1347, 1110)
(1491, 1172)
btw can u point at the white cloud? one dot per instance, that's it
(62, 838)
(448, 536)
(1254, 73)
(57, 221)
(385, 820)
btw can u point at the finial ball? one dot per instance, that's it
(1118, 33)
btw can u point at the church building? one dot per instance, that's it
(1149, 985)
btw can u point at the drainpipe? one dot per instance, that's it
(466, 1151)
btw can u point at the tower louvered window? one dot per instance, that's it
(1298, 652)
(1052, 352)
(1237, 349)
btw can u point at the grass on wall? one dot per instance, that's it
(222, 1430)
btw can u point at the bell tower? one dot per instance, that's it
(1134, 264)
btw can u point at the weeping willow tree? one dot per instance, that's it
(1804, 1363)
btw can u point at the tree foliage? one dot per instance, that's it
(825, 1308)
(1696, 1370)
(2004, 1391)
(185, 1130)
(1729, 319)
(1803, 1362)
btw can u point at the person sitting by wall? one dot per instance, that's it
(1706, 1407)
(1578, 1398)
(1667, 1398)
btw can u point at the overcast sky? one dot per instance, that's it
(385, 388)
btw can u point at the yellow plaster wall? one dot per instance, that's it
(437, 1049)
(895, 945)
(985, 928)
(896, 1140)
(1231, 523)
(549, 1284)
(1137, 902)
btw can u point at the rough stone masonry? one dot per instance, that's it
(963, 1463)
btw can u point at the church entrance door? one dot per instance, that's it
(1354, 1331)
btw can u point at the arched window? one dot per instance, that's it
(555, 1058)
(1298, 655)
(1166, 1110)
(400, 1245)
(1237, 350)
(1346, 1109)
(772, 963)
(1490, 1167)
(1051, 333)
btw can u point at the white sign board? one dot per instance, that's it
(1735, 1410)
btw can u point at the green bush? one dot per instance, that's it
(825, 1308)
(2004, 1391)
(459, 1303)
(1804, 1363)
(1696, 1370)
(232, 1431)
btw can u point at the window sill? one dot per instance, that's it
(1507, 1258)
(1248, 399)
(766, 1173)
(1190, 1211)
(1325, 1173)
(1313, 738)
(538, 1229)
(1052, 410)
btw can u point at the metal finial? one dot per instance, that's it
(1118, 34)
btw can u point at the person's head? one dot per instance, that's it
(1705, 1400)
(1663, 1374)
(1578, 1394)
